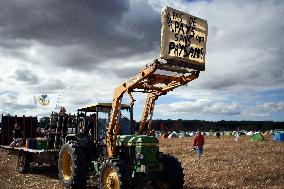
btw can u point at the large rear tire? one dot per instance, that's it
(172, 176)
(115, 174)
(73, 166)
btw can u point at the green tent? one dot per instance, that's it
(257, 137)
(227, 133)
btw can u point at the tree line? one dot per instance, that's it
(192, 125)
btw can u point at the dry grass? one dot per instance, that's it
(230, 164)
(225, 164)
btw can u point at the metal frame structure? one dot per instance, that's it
(96, 108)
(148, 80)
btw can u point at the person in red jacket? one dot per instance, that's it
(199, 142)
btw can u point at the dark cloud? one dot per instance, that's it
(11, 95)
(80, 102)
(263, 71)
(103, 29)
(126, 72)
(249, 52)
(60, 22)
(50, 85)
(13, 108)
(26, 76)
(10, 45)
(9, 103)
(16, 106)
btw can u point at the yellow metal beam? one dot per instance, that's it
(153, 84)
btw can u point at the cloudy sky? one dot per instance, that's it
(83, 49)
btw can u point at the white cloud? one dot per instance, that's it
(270, 107)
(199, 107)
(263, 110)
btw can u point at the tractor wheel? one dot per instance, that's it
(23, 162)
(173, 176)
(73, 166)
(114, 174)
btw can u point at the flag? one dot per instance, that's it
(49, 101)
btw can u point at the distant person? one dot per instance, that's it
(218, 135)
(63, 120)
(152, 133)
(81, 125)
(91, 125)
(60, 120)
(237, 135)
(61, 127)
(198, 142)
(51, 126)
(18, 136)
(50, 130)
(62, 111)
(39, 132)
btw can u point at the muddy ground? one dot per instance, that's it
(225, 164)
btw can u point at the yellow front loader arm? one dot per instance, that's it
(155, 85)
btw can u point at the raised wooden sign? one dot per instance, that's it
(183, 39)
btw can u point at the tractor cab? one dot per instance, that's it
(93, 120)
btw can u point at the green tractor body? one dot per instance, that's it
(146, 152)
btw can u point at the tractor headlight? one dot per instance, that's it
(140, 156)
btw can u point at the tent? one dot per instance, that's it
(165, 135)
(266, 133)
(181, 134)
(278, 136)
(257, 137)
(227, 133)
(190, 134)
(173, 135)
(250, 133)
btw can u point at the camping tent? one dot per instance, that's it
(278, 136)
(257, 137)
(165, 135)
(189, 133)
(228, 133)
(250, 133)
(173, 135)
(181, 134)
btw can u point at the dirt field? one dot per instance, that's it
(230, 164)
(225, 164)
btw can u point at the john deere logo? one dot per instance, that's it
(43, 100)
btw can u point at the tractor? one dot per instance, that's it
(107, 147)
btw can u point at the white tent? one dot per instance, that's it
(191, 134)
(173, 135)
(250, 133)
(181, 134)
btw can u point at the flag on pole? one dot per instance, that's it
(49, 101)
